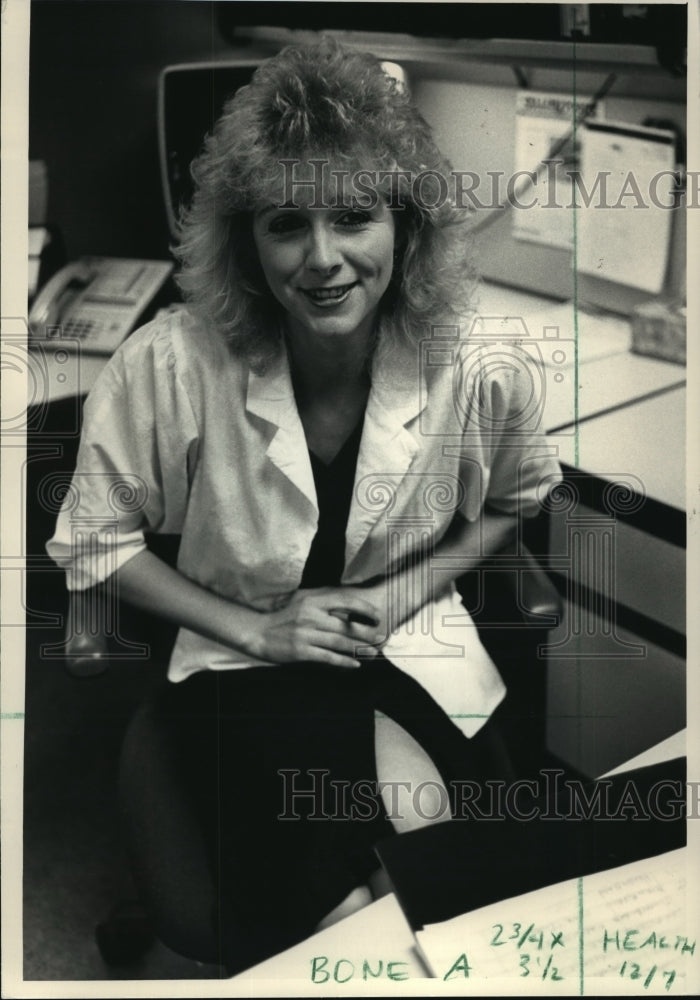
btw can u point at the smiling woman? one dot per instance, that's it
(290, 426)
(328, 130)
(327, 268)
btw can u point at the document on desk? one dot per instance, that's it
(625, 198)
(625, 931)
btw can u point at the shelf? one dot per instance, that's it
(496, 51)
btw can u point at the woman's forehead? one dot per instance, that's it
(322, 182)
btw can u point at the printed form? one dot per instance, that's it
(622, 932)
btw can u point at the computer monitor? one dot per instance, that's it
(191, 97)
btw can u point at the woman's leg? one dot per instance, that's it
(411, 786)
(418, 743)
(265, 754)
(164, 832)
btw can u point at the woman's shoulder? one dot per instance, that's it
(495, 345)
(176, 345)
(175, 338)
(171, 362)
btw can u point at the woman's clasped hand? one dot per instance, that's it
(330, 625)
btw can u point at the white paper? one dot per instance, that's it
(623, 235)
(621, 932)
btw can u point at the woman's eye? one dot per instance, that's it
(287, 223)
(354, 217)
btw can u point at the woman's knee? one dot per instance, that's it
(410, 784)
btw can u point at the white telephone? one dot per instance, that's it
(97, 301)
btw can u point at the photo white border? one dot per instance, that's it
(15, 19)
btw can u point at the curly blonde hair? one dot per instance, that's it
(325, 101)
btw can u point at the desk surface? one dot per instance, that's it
(645, 438)
(606, 384)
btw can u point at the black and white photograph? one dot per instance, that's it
(349, 498)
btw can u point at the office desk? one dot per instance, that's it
(604, 385)
(617, 552)
(597, 372)
(646, 437)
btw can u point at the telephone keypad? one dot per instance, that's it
(79, 328)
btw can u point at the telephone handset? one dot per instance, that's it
(97, 301)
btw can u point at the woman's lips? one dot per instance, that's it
(328, 296)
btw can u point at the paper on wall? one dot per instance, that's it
(625, 200)
(541, 209)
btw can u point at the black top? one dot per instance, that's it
(334, 484)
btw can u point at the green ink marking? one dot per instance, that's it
(524, 937)
(546, 968)
(368, 971)
(7, 716)
(460, 965)
(574, 202)
(628, 943)
(318, 965)
(394, 972)
(336, 970)
(579, 887)
(611, 938)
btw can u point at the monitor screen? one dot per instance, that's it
(191, 98)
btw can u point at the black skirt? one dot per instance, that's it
(277, 767)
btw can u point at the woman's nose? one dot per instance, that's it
(323, 252)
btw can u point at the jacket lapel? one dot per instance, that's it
(387, 449)
(271, 397)
(397, 397)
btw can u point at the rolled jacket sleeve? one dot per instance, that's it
(503, 430)
(132, 471)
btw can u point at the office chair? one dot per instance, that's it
(513, 610)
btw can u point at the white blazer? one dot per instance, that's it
(179, 436)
